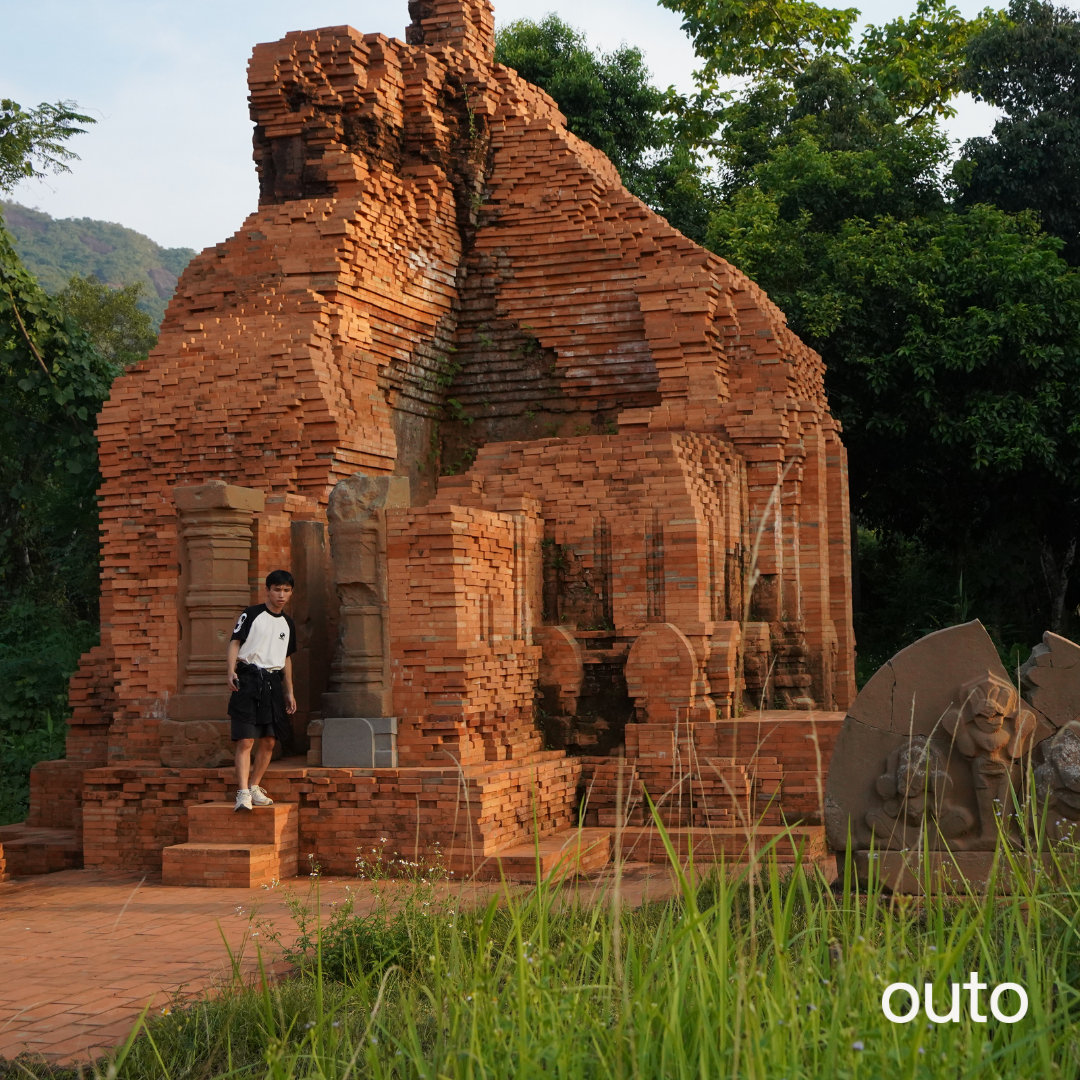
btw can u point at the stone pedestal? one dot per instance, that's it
(359, 742)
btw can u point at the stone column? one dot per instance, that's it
(215, 546)
(360, 683)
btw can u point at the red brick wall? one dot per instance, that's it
(463, 597)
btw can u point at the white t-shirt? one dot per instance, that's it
(266, 640)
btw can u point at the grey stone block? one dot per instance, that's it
(359, 742)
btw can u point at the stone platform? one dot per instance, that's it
(29, 849)
(131, 813)
(763, 769)
(735, 846)
(958, 872)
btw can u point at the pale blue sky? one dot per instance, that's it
(171, 153)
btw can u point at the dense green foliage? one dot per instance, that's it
(41, 640)
(52, 384)
(609, 101)
(118, 327)
(54, 250)
(737, 976)
(1029, 67)
(950, 328)
(58, 357)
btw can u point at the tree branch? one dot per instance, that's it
(25, 334)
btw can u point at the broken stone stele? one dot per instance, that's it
(933, 757)
(516, 438)
(358, 728)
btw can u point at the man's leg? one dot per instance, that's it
(263, 754)
(243, 762)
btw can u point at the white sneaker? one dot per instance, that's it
(259, 797)
(243, 800)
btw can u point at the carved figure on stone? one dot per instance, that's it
(993, 728)
(1057, 781)
(951, 730)
(916, 787)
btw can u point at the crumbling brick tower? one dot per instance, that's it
(626, 495)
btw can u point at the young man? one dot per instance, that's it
(260, 677)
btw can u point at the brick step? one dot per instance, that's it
(28, 850)
(563, 854)
(4, 875)
(235, 849)
(218, 823)
(236, 865)
(643, 844)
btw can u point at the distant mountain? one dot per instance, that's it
(55, 248)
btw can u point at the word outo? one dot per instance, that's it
(973, 986)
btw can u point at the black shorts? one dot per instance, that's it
(257, 708)
(241, 729)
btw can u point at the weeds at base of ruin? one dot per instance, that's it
(535, 984)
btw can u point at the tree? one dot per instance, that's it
(53, 381)
(915, 62)
(32, 144)
(951, 333)
(609, 101)
(1029, 67)
(120, 330)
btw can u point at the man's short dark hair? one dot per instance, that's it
(279, 577)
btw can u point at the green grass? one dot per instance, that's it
(778, 979)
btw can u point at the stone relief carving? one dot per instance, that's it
(1057, 782)
(993, 729)
(940, 742)
(916, 787)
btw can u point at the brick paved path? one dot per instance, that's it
(84, 952)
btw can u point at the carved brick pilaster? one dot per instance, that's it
(215, 547)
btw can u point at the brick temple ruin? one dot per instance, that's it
(562, 493)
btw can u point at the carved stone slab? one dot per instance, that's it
(932, 747)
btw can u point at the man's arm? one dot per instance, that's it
(290, 700)
(230, 665)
